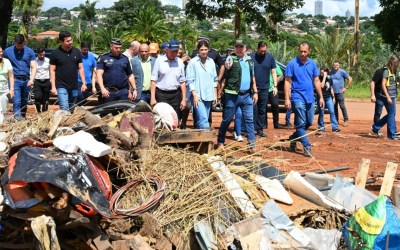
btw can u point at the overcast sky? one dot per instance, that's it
(330, 8)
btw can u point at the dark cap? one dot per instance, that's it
(203, 38)
(239, 42)
(173, 45)
(116, 41)
(164, 45)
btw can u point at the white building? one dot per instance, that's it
(184, 2)
(318, 8)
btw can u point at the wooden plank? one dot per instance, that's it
(387, 183)
(121, 244)
(187, 136)
(396, 195)
(362, 173)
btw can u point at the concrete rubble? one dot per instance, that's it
(95, 179)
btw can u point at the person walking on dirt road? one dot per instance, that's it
(301, 77)
(339, 77)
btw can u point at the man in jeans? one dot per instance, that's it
(240, 91)
(339, 77)
(264, 64)
(65, 62)
(23, 61)
(301, 77)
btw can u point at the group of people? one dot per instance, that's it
(248, 81)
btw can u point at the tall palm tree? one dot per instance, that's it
(89, 13)
(30, 10)
(329, 48)
(150, 26)
(186, 33)
(104, 36)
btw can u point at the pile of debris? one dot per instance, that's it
(96, 179)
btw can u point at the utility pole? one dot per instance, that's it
(356, 35)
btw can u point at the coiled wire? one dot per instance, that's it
(152, 202)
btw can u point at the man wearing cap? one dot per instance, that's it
(240, 92)
(163, 47)
(114, 75)
(264, 64)
(133, 50)
(65, 63)
(168, 79)
(154, 49)
(23, 62)
(142, 66)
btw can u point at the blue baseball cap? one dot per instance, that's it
(173, 45)
(164, 45)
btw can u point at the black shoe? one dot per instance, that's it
(292, 147)
(289, 125)
(376, 133)
(307, 152)
(278, 126)
(260, 133)
(336, 130)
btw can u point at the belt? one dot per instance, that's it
(168, 91)
(23, 78)
(146, 91)
(244, 92)
(42, 80)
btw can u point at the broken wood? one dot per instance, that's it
(396, 195)
(83, 221)
(388, 179)
(137, 242)
(57, 121)
(121, 245)
(362, 173)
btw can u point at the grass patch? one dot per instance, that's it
(359, 91)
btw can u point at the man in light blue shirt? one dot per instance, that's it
(89, 67)
(338, 77)
(168, 83)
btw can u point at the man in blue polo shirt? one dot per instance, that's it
(114, 75)
(23, 61)
(89, 68)
(301, 78)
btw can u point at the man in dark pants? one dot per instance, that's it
(42, 84)
(273, 99)
(114, 75)
(168, 83)
(339, 77)
(264, 64)
(22, 59)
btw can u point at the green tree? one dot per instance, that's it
(5, 14)
(104, 36)
(55, 12)
(328, 48)
(204, 25)
(30, 9)
(388, 23)
(304, 26)
(265, 21)
(150, 26)
(172, 9)
(89, 14)
(123, 12)
(186, 33)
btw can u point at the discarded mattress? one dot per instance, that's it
(76, 174)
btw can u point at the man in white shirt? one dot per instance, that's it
(133, 50)
(42, 86)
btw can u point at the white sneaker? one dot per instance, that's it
(239, 138)
(235, 136)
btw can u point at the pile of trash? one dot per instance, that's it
(96, 179)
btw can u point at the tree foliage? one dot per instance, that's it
(265, 14)
(89, 14)
(388, 23)
(172, 9)
(54, 12)
(123, 12)
(30, 9)
(5, 19)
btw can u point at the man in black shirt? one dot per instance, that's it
(65, 62)
(376, 88)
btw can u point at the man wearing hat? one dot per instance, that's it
(163, 47)
(240, 91)
(114, 75)
(154, 49)
(142, 65)
(168, 79)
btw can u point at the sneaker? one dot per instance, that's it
(321, 129)
(289, 125)
(239, 138)
(221, 146)
(260, 133)
(375, 133)
(336, 130)
(278, 126)
(345, 124)
(307, 152)
(292, 147)
(235, 136)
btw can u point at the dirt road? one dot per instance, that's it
(329, 150)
